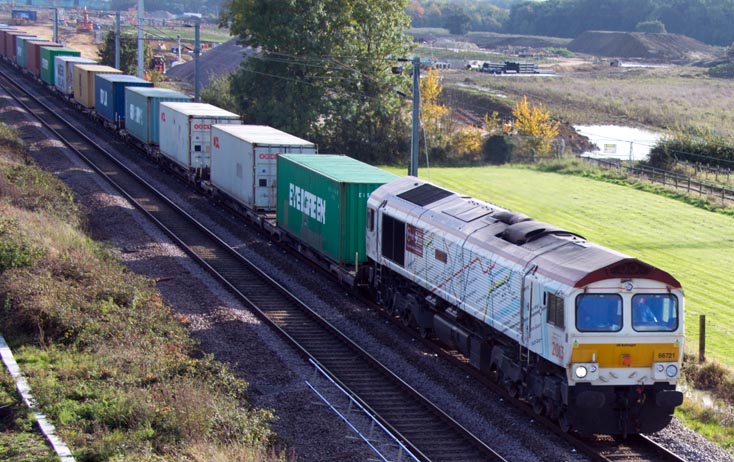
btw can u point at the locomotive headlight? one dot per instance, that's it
(581, 372)
(660, 368)
(671, 371)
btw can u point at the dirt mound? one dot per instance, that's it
(657, 47)
(222, 59)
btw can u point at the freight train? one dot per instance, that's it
(590, 337)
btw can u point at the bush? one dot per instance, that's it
(497, 150)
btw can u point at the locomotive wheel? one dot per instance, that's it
(564, 423)
(424, 332)
(513, 389)
(538, 406)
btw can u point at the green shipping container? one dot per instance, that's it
(48, 60)
(322, 202)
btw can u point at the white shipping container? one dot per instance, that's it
(244, 161)
(64, 72)
(185, 133)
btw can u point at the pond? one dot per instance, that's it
(618, 142)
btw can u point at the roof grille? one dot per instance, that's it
(425, 194)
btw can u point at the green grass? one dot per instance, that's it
(108, 362)
(694, 245)
(20, 440)
(707, 420)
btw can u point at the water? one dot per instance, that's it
(617, 142)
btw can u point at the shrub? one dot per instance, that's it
(497, 150)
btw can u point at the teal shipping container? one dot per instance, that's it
(322, 202)
(48, 61)
(21, 54)
(142, 106)
(109, 100)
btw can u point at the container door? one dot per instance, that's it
(264, 179)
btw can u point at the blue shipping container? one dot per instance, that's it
(142, 107)
(109, 98)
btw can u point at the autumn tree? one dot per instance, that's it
(323, 71)
(536, 128)
(434, 115)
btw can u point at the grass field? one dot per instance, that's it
(695, 246)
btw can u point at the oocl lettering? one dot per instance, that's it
(308, 203)
(163, 116)
(202, 126)
(215, 142)
(264, 156)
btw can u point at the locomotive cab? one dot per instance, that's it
(625, 356)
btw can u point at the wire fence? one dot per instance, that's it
(710, 190)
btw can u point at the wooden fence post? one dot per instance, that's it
(702, 339)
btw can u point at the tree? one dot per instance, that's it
(219, 93)
(433, 113)
(324, 70)
(458, 22)
(128, 52)
(536, 126)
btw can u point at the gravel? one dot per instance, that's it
(277, 376)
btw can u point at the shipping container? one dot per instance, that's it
(185, 134)
(84, 74)
(3, 33)
(48, 57)
(18, 39)
(322, 202)
(22, 48)
(142, 111)
(7, 41)
(33, 54)
(244, 161)
(23, 16)
(64, 72)
(109, 101)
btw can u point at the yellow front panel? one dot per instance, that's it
(625, 354)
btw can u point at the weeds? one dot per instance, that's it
(107, 361)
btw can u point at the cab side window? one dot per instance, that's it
(554, 309)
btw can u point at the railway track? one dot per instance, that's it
(429, 433)
(601, 448)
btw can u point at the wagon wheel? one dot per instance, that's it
(538, 406)
(407, 319)
(424, 332)
(564, 423)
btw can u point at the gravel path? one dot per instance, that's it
(276, 375)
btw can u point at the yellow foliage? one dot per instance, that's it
(433, 114)
(533, 120)
(493, 123)
(468, 142)
(535, 123)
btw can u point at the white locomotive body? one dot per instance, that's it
(553, 315)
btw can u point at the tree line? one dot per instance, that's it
(706, 20)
